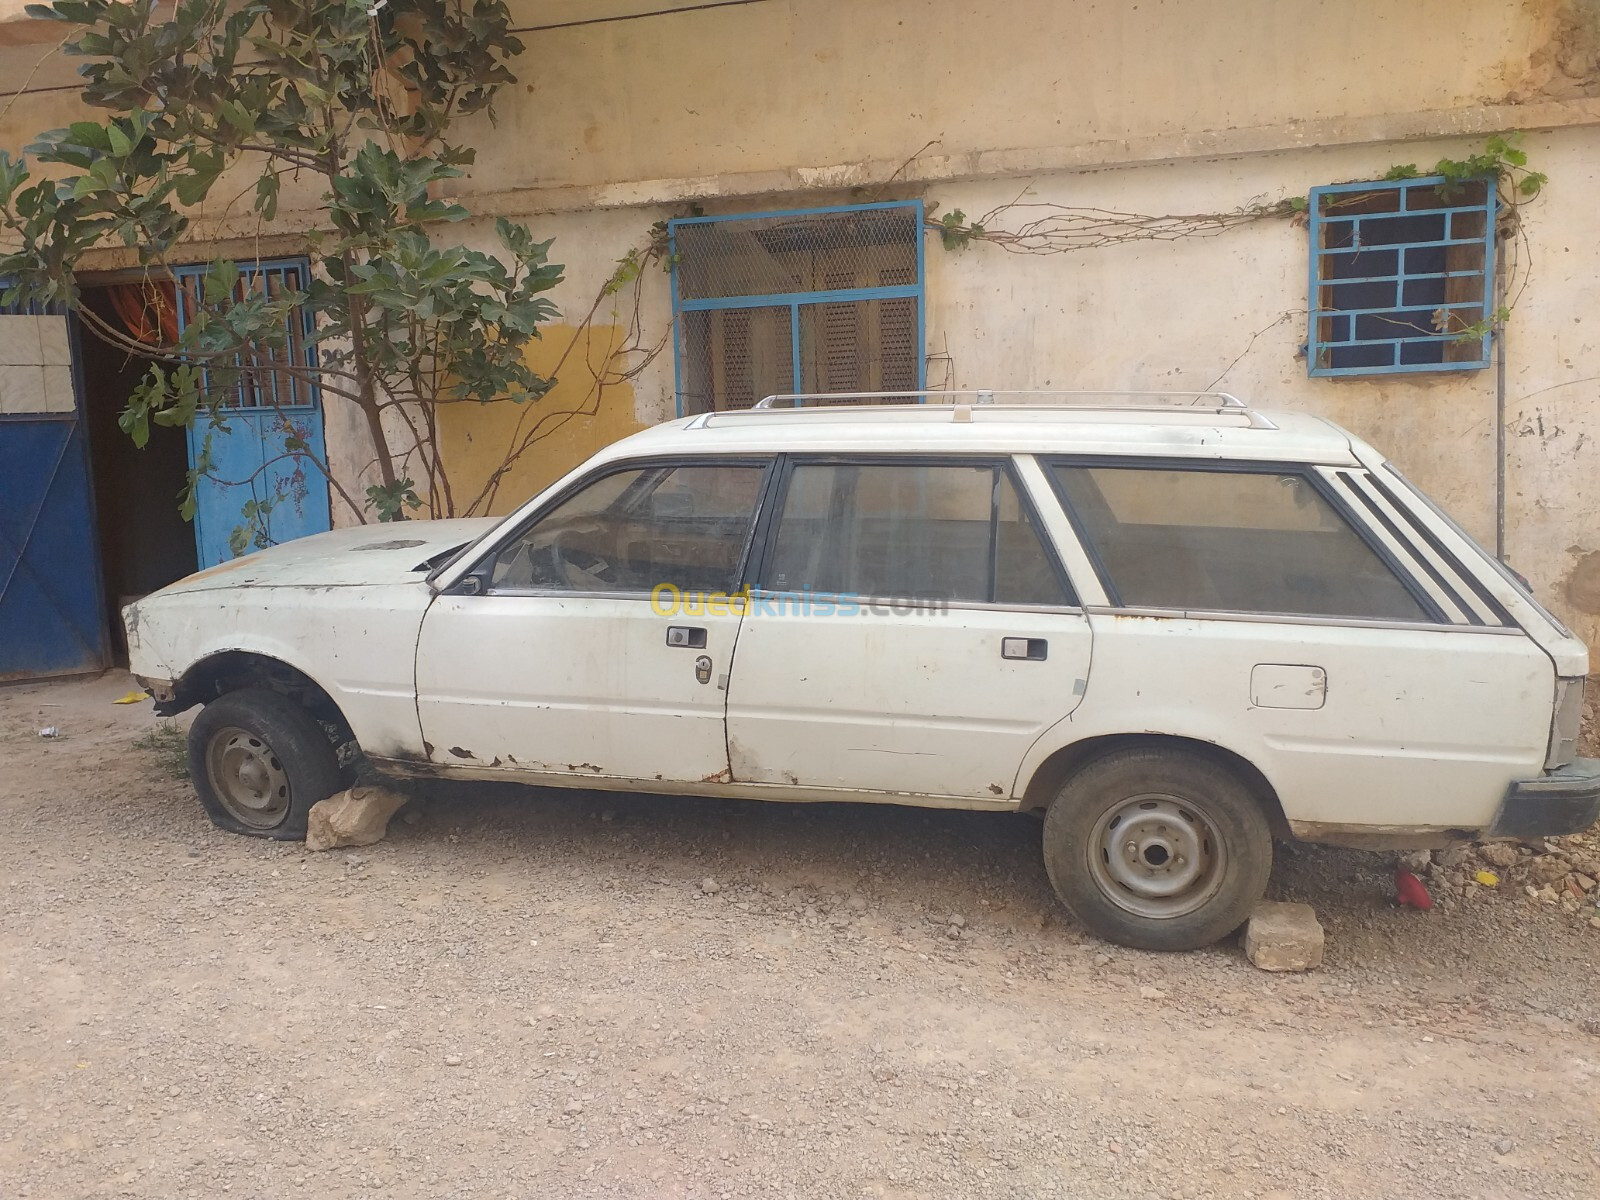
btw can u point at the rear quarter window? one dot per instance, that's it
(1246, 541)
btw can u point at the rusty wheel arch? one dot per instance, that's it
(1064, 763)
(230, 670)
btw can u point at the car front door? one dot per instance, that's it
(910, 633)
(595, 642)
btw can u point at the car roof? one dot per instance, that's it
(1001, 429)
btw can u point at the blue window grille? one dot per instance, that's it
(258, 385)
(1402, 276)
(809, 300)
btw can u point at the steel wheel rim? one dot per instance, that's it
(1157, 855)
(247, 778)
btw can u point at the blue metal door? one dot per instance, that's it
(52, 617)
(262, 455)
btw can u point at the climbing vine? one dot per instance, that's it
(1040, 227)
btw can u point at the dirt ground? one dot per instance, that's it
(571, 994)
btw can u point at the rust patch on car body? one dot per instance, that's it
(460, 753)
(1383, 837)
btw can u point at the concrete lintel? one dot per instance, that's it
(244, 235)
(1084, 156)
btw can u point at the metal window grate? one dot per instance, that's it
(261, 381)
(1401, 276)
(823, 300)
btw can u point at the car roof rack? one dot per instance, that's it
(964, 402)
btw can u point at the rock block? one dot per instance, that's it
(357, 817)
(1283, 937)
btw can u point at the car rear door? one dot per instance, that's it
(909, 632)
(594, 643)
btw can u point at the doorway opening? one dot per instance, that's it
(145, 543)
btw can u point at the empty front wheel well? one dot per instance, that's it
(1068, 760)
(235, 669)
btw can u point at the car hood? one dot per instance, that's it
(362, 556)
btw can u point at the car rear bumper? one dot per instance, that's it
(1566, 800)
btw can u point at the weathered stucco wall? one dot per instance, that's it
(814, 83)
(1229, 312)
(1167, 106)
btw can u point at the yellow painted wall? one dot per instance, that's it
(581, 414)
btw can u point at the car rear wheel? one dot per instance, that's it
(259, 761)
(1157, 849)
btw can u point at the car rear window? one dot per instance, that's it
(1229, 541)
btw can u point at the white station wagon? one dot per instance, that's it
(1175, 626)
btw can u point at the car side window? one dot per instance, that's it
(953, 532)
(1230, 541)
(639, 527)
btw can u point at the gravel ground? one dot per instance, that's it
(566, 995)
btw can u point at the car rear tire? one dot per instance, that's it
(1157, 849)
(259, 761)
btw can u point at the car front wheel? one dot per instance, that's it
(1157, 849)
(259, 761)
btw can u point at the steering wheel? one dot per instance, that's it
(577, 568)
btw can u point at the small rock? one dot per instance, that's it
(1504, 1146)
(1151, 993)
(1499, 854)
(412, 815)
(1546, 894)
(856, 903)
(452, 1060)
(957, 920)
(1101, 960)
(357, 817)
(1454, 856)
(1584, 882)
(709, 886)
(1548, 868)
(369, 936)
(1283, 937)
(573, 1108)
(1417, 861)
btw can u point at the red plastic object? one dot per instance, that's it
(1410, 890)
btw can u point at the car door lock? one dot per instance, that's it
(702, 668)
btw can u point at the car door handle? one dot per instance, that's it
(1032, 649)
(690, 636)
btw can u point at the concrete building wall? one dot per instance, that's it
(627, 114)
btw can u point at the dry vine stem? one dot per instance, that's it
(1060, 229)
